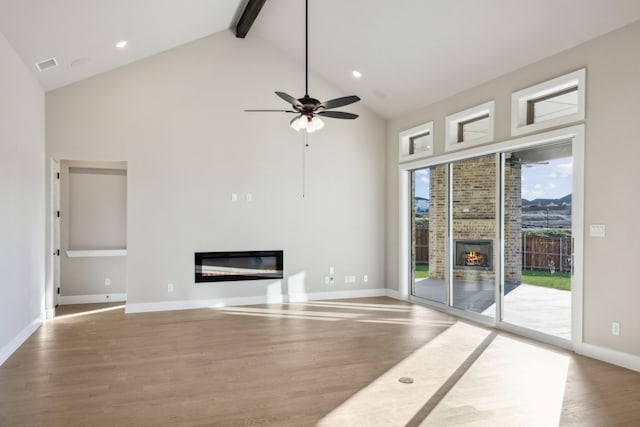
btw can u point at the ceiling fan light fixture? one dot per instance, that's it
(298, 122)
(315, 123)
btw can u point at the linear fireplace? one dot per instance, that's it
(474, 254)
(233, 266)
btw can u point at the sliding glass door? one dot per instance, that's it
(454, 225)
(538, 188)
(492, 236)
(473, 228)
(428, 233)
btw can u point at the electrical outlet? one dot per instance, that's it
(332, 280)
(107, 282)
(170, 287)
(365, 279)
(615, 328)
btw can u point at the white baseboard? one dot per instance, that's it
(356, 293)
(18, 340)
(614, 357)
(254, 300)
(91, 299)
(392, 293)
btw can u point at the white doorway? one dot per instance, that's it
(90, 204)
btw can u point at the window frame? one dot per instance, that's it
(454, 126)
(521, 120)
(406, 140)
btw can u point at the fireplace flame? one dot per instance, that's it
(474, 258)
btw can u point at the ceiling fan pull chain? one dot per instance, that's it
(305, 144)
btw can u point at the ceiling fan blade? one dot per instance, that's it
(290, 99)
(340, 102)
(337, 114)
(270, 111)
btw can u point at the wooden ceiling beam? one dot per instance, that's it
(251, 11)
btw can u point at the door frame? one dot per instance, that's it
(576, 134)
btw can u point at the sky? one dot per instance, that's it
(551, 181)
(539, 181)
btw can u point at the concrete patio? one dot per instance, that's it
(541, 309)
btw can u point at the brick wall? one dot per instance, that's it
(474, 210)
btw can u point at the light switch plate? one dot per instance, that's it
(597, 230)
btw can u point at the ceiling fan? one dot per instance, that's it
(518, 162)
(308, 110)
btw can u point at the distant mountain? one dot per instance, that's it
(547, 202)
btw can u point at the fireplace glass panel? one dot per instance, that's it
(234, 266)
(473, 254)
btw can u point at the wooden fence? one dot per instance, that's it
(539, 253)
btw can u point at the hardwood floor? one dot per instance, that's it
(331, 363)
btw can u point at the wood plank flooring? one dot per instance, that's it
(330, 363)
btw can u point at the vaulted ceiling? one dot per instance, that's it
(410, 52)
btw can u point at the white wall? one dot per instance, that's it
(177, 119)
(611, 290)
(22, 193)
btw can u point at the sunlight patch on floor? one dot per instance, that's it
(417, 322)
(88, 312)
(513, 383)
(288, 313)
(352, 306)
(388, 402)
(278, 316)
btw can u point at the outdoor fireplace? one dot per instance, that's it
(476, 254)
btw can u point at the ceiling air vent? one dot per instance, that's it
(46, 64)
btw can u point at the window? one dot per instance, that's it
(472, 129)
(419, 143)
(469, 127)
(552, 103)
(416, 142)
(557, 104)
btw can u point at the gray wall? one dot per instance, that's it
(177, 119)
(93, 201)
(611, 291)
(22, 191)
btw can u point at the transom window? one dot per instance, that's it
(420, 143)
(472, 129)
(416, 142)
(472, 126)
(556, 102)
(548, 107)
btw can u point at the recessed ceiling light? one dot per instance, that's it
(121, 44)
(357, 74)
